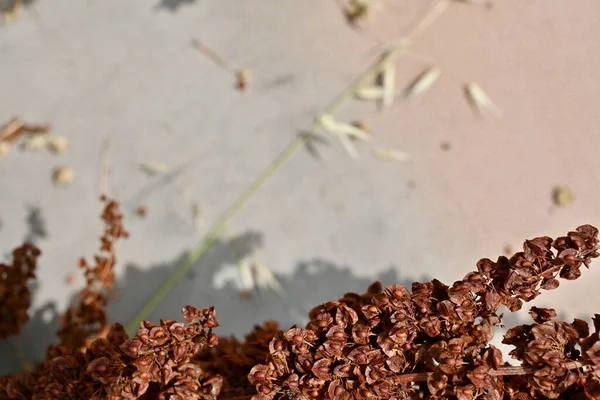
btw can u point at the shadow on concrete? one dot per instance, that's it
(173, 5)
(312, 282)
(36, 225)
(7, 5)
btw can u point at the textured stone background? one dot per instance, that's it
(125, 70)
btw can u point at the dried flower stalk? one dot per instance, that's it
(15, 295)
(84, 321)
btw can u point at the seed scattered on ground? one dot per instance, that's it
(142, 211)
(71, 278)
(390, 154)
(4, 148)
(369, 93)
(423, 82)
(36, 143)
(58, 144)
(357, 10)
(63, 175)
(244, 78)
(153, 168)
(479, 100)
(562, 196)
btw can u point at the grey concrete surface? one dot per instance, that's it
(125, 70)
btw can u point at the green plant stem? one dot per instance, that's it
(220, 224)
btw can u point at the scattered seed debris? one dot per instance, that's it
(156, 168)
(141, 211)
(246, 278)
(345, 132)
(508, 250)
(390, 154)
(16, 128)
(360, 125)
(58, 144)
(12, 129)
(63, 175)
(36, 143)
(369, 93)
(71, 279)
(4, 148)
(266, 280)
(356, 10)
(479, 100)
(445, 146)
(244, 78)
(11, 13)
(43, 141)
(423, 82)
(388, 81)
(562, 196)
(330, 124)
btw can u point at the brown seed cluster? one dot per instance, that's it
(86, 320)
(154, 364)
(394, 344)
(233, 359)
(15, 296)
(389, 343)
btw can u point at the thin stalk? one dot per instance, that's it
(219, 226)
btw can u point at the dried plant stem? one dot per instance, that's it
(212, 55)
(219, 225)
(502, 371)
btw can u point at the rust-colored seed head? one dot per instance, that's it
(433, 342)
